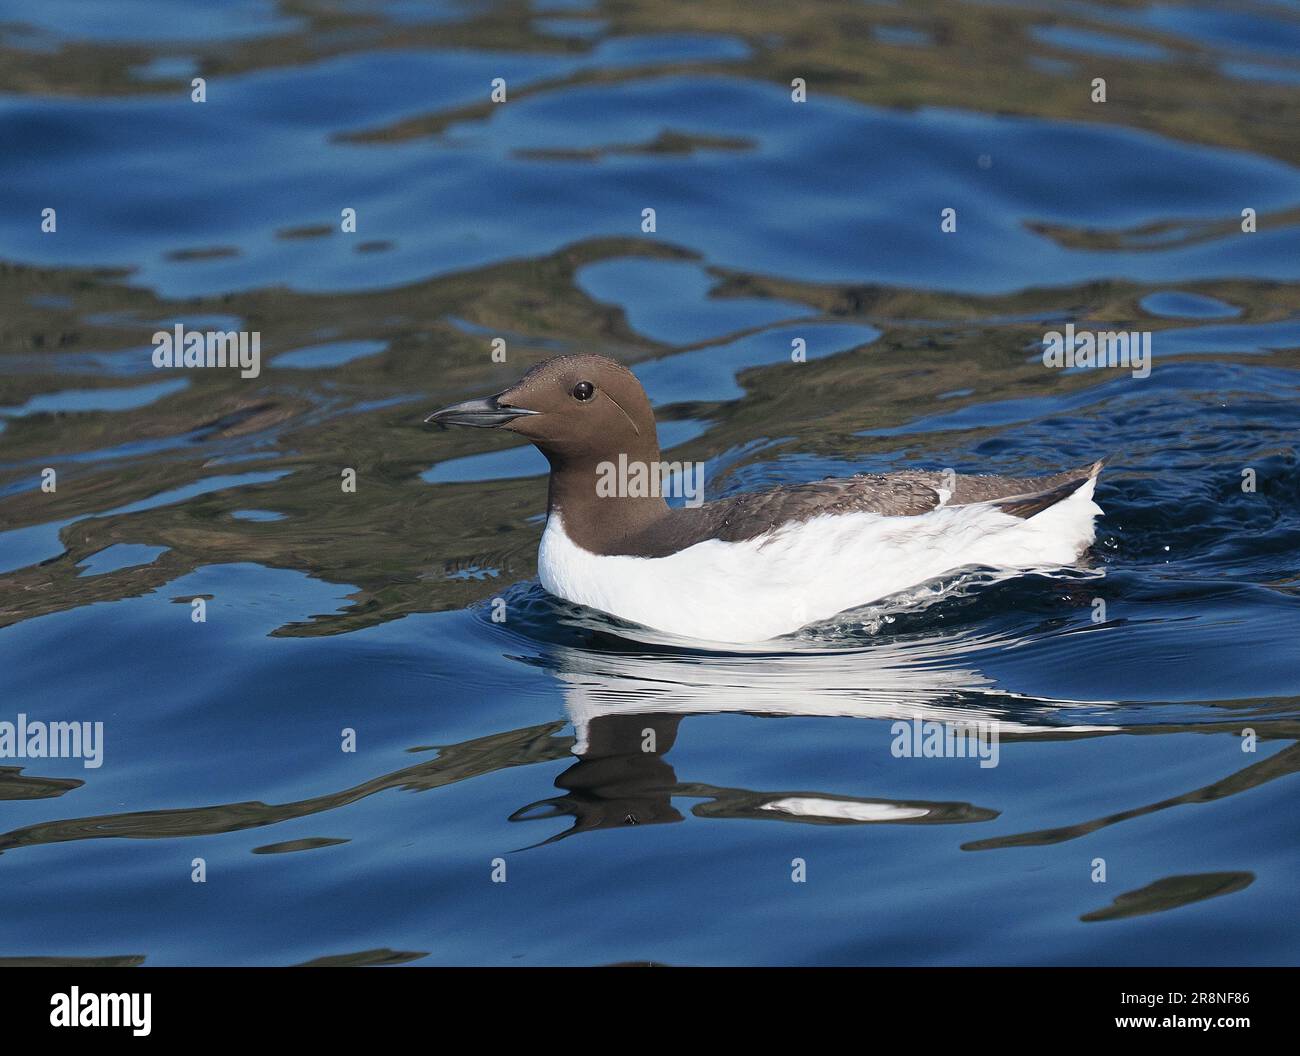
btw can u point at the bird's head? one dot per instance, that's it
(575, 409)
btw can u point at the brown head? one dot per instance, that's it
(580, 412)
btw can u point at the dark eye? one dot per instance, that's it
(584, 391)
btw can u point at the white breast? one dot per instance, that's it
(762, 588)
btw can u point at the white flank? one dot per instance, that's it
(762, 588)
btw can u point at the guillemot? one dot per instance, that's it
(754, 566)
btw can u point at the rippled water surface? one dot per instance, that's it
(1148, 703)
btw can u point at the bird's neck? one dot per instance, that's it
(603, 502)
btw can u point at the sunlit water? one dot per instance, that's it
(650, 799)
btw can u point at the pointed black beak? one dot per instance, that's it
(486, 413)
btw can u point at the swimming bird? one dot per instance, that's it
(754, 566)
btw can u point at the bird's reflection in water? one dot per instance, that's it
(627, 707)
(621, 777)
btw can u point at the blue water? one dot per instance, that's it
(351, 712)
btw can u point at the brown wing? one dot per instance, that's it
(891, 494)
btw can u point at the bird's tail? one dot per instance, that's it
(1025, 506)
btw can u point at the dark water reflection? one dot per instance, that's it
(606, 766)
